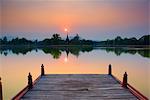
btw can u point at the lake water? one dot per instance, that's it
(16, 63)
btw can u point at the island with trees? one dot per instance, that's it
(56, 40)
(56, 45)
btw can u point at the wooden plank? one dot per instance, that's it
(78, 87)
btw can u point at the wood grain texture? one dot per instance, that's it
(78, 87)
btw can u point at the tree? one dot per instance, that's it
(56, 37)
(144, 40)
(118, 40)
(75, 40)
(4, 41)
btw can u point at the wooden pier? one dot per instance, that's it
(78, 87)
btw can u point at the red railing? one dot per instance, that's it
(133, 90)
(24, 91)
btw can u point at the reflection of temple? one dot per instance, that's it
(67, 52)
(67, 39)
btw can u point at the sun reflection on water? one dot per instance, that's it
(66, 59)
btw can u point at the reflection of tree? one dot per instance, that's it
(5, 53)
(16, 50)
(144, 53)
(119, 51)
(75, 50)
(21, 50)
(56, 53)
(87, 49)
(133, 52)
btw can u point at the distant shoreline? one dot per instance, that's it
(109, 46)
(128, 46)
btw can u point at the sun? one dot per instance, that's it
(66, 30)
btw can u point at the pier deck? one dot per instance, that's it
(78, 87)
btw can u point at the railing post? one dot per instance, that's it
(109, 70)
(1, 91)
(125, 80)
(30, 83)
(42, 70)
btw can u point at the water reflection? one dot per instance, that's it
(144, 52)
(56, 53)
(17, 62)
(74, 50)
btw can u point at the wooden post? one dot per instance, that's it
(30, 83)
(125, 80)
(109, 70)
(1, 92)
(42, 70)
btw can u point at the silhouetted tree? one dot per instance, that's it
(4, 41)
(118, 40)
(75, 40)
(144, 40)
(56, 39)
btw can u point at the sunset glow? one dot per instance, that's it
(69, 49)
(66, 30)
(92, 19)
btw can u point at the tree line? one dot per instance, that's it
(76, 40)
(54, 40)
(144, 40)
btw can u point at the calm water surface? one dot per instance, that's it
(15, 64)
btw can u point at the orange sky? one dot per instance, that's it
(86, 17)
